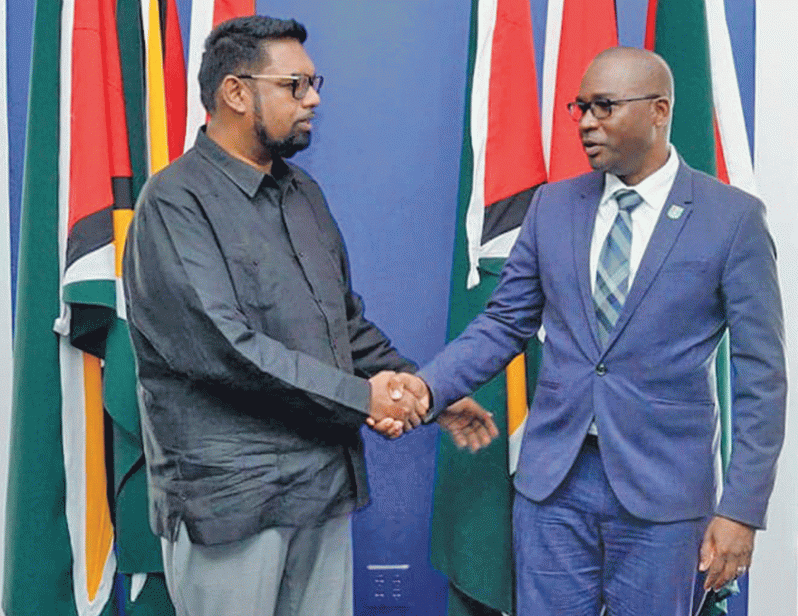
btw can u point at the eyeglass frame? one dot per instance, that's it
(585, 106)
(314, 81)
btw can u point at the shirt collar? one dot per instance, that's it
(245, 176)
(650, 187)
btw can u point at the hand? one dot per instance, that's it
(394, 407)
(469, 424)
(726, 551)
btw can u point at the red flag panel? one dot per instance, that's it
(588, 27)
(514, 153)
(227, 9)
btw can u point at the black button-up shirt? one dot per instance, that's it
(251, 349)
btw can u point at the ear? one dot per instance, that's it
(232, 93)
(662, 111)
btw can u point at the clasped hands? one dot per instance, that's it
(400, 401)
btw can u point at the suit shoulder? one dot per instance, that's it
(712, 190)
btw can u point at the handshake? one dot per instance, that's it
(400, 401)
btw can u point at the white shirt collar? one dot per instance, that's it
(651, 188)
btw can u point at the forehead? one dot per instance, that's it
(612, 78)
(287, 57)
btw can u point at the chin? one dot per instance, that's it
(596, 164)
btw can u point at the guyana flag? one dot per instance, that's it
(107, 107)
(501, 165)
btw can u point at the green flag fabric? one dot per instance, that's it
(501, 165)
(44, 571)
(37, 560)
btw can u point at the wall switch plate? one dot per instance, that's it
(389, 584)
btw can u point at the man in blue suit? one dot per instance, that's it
(634, 271)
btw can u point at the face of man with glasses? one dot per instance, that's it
(285, 94)
(622, 118)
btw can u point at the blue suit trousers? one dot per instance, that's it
(579, 551)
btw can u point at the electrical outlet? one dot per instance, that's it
(389, 584)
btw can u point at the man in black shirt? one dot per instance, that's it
(256, 364)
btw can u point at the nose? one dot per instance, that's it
(311, 98)
(587, 121)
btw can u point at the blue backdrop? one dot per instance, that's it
(386, 152)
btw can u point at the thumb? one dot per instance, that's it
(395, 388)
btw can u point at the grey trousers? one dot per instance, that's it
(278, 572)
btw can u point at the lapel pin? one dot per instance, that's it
(675, 212)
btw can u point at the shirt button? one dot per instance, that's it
(601, 369)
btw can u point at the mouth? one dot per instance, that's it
(305, 123)
(591, 148)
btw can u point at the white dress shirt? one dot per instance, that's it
(654, 190)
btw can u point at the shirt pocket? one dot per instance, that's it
(256, 279)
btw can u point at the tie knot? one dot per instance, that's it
(627, 199)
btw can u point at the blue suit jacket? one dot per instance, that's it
(652, 389)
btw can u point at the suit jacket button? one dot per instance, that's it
(601, 369)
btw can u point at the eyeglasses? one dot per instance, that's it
(300, 84)
(601, 108)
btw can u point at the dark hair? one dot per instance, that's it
(237, 45)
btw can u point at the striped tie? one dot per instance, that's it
(612, 274)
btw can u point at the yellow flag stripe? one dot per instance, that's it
(156, 92)
(99, 530)
(122, 219)
(517, 406)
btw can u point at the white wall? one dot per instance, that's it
(774, 574)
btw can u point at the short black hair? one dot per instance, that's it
(237, 45)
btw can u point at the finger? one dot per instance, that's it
(414, 385)
(416, 415)
(457, 436)
(473, 442)
(383, 426)
(715, 573)
(370, 422)
(493, 429)
(707, 552)
(396, 431)
(459, 439)
(484, 436)
(729, 573)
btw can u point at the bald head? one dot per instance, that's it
(635, 68)
(626, 129)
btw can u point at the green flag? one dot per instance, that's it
(38, 559)
(501, 165)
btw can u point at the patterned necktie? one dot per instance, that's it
(612, 274)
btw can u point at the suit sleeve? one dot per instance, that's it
(502, 331)
(182, 302)
(758, 373)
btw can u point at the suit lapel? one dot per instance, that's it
(584, 220)
(669, 224)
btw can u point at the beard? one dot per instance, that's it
(282, 148)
